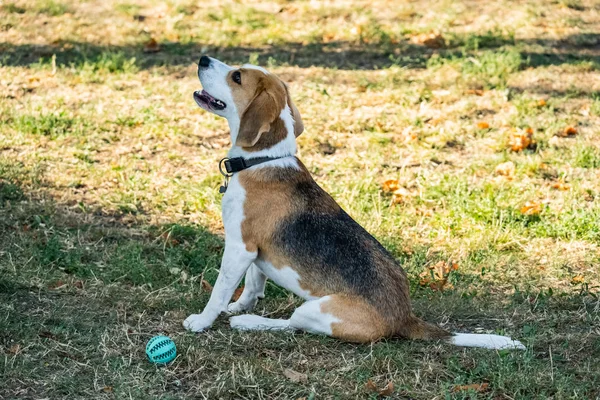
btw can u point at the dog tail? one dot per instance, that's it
(416, 328)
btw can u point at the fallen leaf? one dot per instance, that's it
(107, 389)
(506, 169)
(483, 125)
(387, 390)
(568, 131)
(478, 387)
(433, 40)
(14, 349)
(400, 195)
(561, 186)
(78, 284)
(476, 92)
(57, 285)
(237, 293)
(436, 276)
(391, 185)
(151, 46)
(370, 386)
(206, 287)
(295, 376)
(326, 149)
(424, 212)
(577, 279)
(531, 208)
(521, 139)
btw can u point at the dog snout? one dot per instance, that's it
(204, 62)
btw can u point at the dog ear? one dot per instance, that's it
(298, 124)
(257, 119)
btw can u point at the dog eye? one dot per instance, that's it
(237, 77)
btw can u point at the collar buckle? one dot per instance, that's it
(228, 173)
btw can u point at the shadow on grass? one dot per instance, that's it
(69, 278)
(342, 55)
(81, 293)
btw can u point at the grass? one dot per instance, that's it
(110, 212)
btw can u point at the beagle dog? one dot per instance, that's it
(281, 225)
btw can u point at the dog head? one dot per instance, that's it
(256, 103)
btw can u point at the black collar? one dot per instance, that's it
(237, 164)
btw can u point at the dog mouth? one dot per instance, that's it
(208, 102)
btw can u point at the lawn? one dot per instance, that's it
(482, 118)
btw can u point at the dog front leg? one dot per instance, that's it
(235, 263)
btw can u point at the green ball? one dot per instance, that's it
(161, 350)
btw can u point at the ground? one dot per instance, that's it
(110, 211)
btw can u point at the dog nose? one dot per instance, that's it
(204, 61)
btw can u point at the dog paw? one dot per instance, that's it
(197, 323)
(238, 307)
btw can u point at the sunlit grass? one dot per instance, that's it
(110, 211)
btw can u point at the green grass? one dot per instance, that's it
(110, 211)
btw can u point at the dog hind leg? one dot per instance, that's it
(341, 316)
(254, 289)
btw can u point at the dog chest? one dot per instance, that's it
(232, 209)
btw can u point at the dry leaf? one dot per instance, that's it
(237, 293)
(206, 287)
(506, 169)
(521, 139)
(483, 125)
(424, 212)
(391, 185)
(436, 276)
(14, 349)
(151, 46)
(57, 285)
(78, 284)
(370, 386)
(478, 387)
(568, 131)
(386, 391)
(531, 208)
(561, 186)
(476, 92)
(107, 389)
(577, 279)
(295, 376)
(433, 40)
(400, 195)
